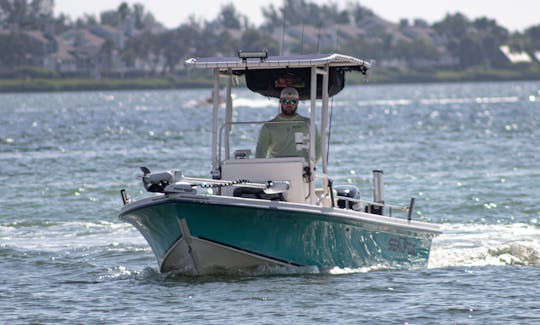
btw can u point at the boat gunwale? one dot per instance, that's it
(427, 228)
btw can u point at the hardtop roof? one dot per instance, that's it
(238, 64)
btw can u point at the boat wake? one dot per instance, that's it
(61, 236)
(481, 245)
(460, 245)
(152, 273)
(239, 102)
(467, 245)
(254, 102)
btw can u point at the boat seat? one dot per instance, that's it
(256, 193)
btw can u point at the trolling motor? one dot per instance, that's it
(159, 182)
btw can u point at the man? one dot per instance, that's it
(277, 137)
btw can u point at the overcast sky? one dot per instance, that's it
(515, 15)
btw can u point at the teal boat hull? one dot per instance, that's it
(199, 235)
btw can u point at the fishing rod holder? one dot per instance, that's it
(378, 191)
(411, 208)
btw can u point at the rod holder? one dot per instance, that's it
(378, 184)
(378, 191)
(411, 208)
(125, 199)
(331, 190)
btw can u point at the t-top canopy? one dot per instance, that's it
(268, 75)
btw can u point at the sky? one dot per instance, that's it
(515, 15)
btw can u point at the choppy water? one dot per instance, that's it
(469, 154)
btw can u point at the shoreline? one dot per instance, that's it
(28, 85)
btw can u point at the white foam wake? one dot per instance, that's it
(478, 245)
(51, 237)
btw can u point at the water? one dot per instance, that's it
(467, 152)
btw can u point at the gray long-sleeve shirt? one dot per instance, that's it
(276, 138)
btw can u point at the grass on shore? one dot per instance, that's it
(72, 84)
(378, 76)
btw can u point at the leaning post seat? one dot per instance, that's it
(289, 169)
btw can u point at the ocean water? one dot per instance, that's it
(469, 153)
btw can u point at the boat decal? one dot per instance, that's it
(401, 245)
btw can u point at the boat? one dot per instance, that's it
(253, 213)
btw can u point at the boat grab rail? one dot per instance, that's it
(369, 204)
(227, 124)
(270, 186)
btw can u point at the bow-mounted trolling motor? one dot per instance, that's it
(168, 181)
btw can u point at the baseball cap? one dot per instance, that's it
(289, 92)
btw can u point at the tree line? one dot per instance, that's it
(471, 43)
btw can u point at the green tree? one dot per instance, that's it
(473, 43)
(360, 13)
(254, 40)
(531, 38)
(34, 14)
(86, 20)
(272, 18)
(123, 11)
(363, 48)
(106, 54)
(453, 26)
(415, 50)
(138, 48)
(176, 46)
(18, 49)
(13, 13)
(490, 36)
(109, 17)
(300, 12)
(229, 17)
(139, 14)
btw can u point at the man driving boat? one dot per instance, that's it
(277, 136)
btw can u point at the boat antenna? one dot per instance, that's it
(329, 129)
(302, 40)
(319, 38)
(283, 32)
(337, 41)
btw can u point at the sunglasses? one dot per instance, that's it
(289, 101)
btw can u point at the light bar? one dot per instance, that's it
(244, 55)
